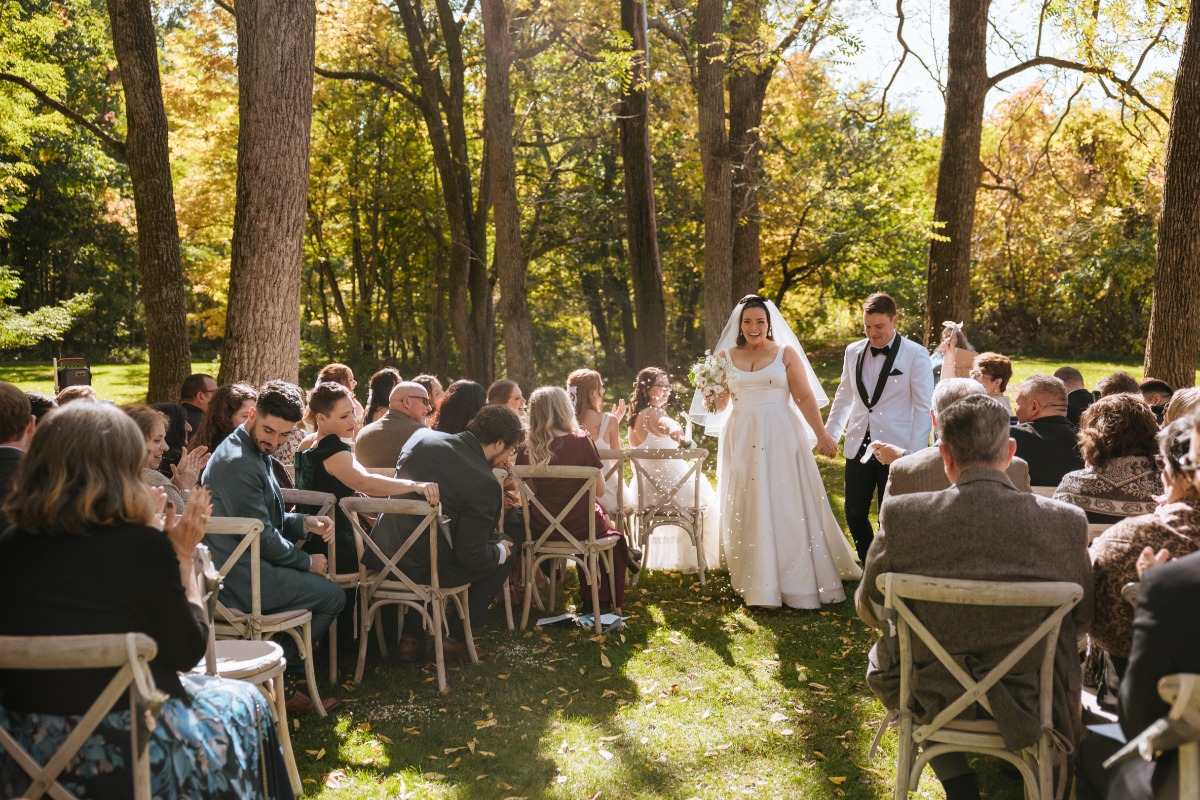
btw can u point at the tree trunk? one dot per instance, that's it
(948, 291)
(149, 162)
(510, 265)
(1173, 343)
(718, 176)
(640, 221)
(275, 79)
(746, 22)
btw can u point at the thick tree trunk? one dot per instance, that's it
(149, 162)
(948, 291)
(275, 80)
(640, 220)
(1174, 340)
(746, 22)
(510, 265)
(718, 176)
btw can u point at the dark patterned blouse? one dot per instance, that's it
(1124, 487)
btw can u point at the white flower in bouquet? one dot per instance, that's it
(710, 376)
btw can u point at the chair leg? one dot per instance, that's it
(364, 634)
(508, 613)
(466, 620)
(904, 760)
(333, 652)
(593, 567)
(553, 582)
(310, 671)
(140, 732)
(439, 655)
(279, 703)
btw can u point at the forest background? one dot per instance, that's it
(833, 184)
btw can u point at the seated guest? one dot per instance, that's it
(229, 407)
(195, 394)
(329, 466)
(461, 465)
(1157, 394)
(1174, 525)
(556, 441)
(1045, 438)
(72, 393)
(120, 566)
(1078, 397)
(339, 373)
(434, 387)
(1120, 382)
(1183, 403)
(178, 432)
(1014, 536)
(244, 485)
(378, 391)
(40, 404)
(16, 427)
(586, 388)
(153, 425)
(994, 371)
(1119, 478)
(379, 444)
(923, 471)
(507, 393)
(460, 403)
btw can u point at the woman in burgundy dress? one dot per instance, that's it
(555, 440)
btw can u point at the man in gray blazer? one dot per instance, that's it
(378, 445)
(923, 471)
(982, 528)
(243, 485)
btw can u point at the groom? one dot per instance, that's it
(885, 395)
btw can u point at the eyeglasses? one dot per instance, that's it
(424, 400)
(977, 374)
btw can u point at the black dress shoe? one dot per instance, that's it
(635, 560)
(411, 649)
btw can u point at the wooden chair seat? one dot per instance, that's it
(267, 622)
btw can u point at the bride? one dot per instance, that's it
(780, 539)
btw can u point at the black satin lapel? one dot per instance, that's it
(862, 387)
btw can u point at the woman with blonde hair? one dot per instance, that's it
(586, 390)
(555, 439)
(120, 565)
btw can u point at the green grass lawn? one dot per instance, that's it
(120, 383)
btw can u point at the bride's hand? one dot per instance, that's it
(826, 446)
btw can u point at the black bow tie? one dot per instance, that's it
(881, 351)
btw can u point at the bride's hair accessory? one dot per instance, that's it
(954, 326)
(573, 392)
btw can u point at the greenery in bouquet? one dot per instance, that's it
(710, 376)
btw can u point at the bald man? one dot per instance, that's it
(1045, 438)
(379, 444)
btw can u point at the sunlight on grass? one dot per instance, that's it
(120, 383)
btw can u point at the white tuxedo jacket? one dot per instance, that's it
(901, 416)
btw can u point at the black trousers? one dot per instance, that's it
(863, 481)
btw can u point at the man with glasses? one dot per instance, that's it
(194, 395)
(379, 444)
(1045, 438)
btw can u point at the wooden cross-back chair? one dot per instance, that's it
(390, 586)
(589, 552)
(663, 497)
(257, 662)
(254, 624)
(1178, 730)
(344, 575)
(614, 464)
(130, 654)
(947, 732)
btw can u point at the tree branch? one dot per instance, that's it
(227, 7)
(106, 138)
(371, 77)
(1126, 85)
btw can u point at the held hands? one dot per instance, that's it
(186, 531)
(191, 463)
(321, 526)
(826, 446)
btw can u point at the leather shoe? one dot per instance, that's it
(411, 649)
(300, 703)
(457, 651)
(635, 560)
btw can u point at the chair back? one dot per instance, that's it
(325, 504)
(209, 582)
(1044, 491)
(663, 494)
(249, 531)
(1097, 528)
(1057, 597)
(131, 654)
(430, 526)
(585, 495)
(614, 464)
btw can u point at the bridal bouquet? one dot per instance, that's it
(710, 376)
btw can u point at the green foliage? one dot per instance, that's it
(47, 323)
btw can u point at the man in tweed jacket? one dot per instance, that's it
(982, 528)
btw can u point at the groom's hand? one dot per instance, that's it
(826, 446)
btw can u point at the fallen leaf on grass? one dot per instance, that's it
(610, 738)
(819, 754)
(838, 780)
(786, 732)
(707, 713)
(607, 756)
(454, 763)
(777, 717)
(526, 708)
(316, 754)
(608, 693)
(604, 662)
(480, 724)
(471, 745)
(413, 731)
(502, 677)
(384, 739)
(485, 754)
(336, 779)
(435, 776)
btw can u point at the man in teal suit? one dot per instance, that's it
(243, 485)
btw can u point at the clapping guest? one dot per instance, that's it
(507, 393)
(459, 405)
(178, 432)
(80, 507)
(229, 407)
(1119, 478)
(378, 391)
(586, 388)
(994, 371)
(153, 425)
(329, 466)
(945, 358)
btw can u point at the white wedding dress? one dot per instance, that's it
(782, 544)
(670, 547)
